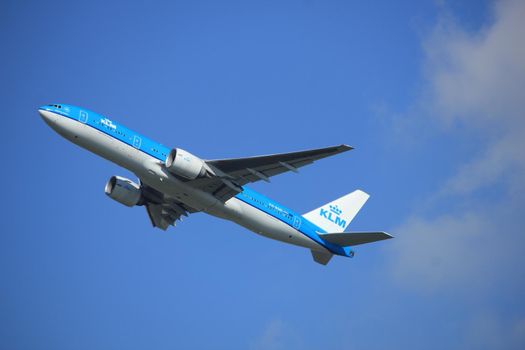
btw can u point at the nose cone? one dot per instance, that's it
(49, 117)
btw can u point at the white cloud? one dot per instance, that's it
(488, 331)
(478, 80)
(503, 160)
(272, 338)
(468, 253)
(476, 84)
(438, 252)
(471, 251)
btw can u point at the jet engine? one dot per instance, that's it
(185, 164)
(124, 191)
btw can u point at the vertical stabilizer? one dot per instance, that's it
(337, 215)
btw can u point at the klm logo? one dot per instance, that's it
(333, 215)
(108, 123)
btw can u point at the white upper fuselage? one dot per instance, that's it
(145, 158)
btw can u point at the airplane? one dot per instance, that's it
(174, 183)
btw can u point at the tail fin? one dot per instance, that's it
(335, 216)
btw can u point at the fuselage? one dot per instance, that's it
(145, 158)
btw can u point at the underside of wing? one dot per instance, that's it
(232, 174)
(162, 210)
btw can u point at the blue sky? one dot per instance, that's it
(431, 94)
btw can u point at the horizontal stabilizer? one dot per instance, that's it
(345, 239)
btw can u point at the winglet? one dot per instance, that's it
(345, 147)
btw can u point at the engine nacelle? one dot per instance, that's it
(123, 191)
(185, 164)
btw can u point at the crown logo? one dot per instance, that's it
(335, 209)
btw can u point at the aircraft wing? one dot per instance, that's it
(231, 174)
(163, 211)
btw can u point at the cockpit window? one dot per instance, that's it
(56, 106)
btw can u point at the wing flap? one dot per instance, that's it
(163, 211)
(157, 218)
(345, 239)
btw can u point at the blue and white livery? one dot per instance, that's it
(175, 183)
